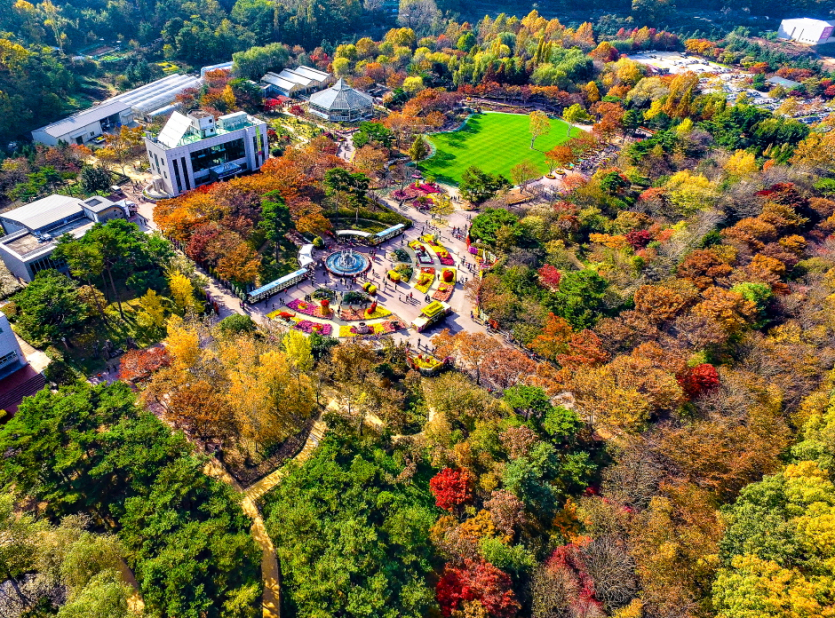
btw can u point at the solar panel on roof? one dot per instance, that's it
(174, 130)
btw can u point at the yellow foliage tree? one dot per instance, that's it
(182, 291)
(741, 164)
(152, 314)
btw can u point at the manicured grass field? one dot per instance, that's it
(493, 142)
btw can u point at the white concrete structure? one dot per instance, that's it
(341, 103)
(11, 356)
(194, 150)
(32, 231)
(147, 99)
(807, 30)
(86, 125)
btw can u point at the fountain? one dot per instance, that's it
(347, 263)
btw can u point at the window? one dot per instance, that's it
(8, 358)
(232, 150)
(177, 176)
(45, 263)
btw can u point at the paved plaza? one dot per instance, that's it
(391, 296)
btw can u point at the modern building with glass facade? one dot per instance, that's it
(195, 149)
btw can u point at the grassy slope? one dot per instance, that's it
(493, 142)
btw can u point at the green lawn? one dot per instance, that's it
(491, 141)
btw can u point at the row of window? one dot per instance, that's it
(8, 358)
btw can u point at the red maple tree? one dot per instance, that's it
(451, 487)
(477, 581)
(699, 379)
(550, 277)
(138, 365)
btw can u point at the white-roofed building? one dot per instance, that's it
(147, 99)
(195, 149)
(274, 84)
(86, 125)
(341, 103)
(320, 78)
(807, 30)
(32, 231)
(293, 82)
(223, 66)
(11, 356)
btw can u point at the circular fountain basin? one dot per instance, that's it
(347, 263)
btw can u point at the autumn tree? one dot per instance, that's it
(523, 173)
(182, 291)
(561, 156)
(140, 365)
(470, 350)
(451, 488)
(418, 150)
(477, 587)
(539, 125)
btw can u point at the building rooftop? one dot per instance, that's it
(810, 21)
(155, 95)
(276, 80)
(782, 81)
(83, 118)
(180, 130)
(341, 96)
(44, 212)
(28, 246)
(312, 73)
(296, 78)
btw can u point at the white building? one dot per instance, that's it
(194, 150)
(11, 357)
(150, 99)
(292, 82)
(32, 231)
(807, 30)
(86, 125)
(341, 103)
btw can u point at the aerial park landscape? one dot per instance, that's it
(431, 309)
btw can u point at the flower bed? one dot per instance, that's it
(282, 314)
(380, 328)
(425, 280)
(308, 327)
(443, 292)
(424, 258)
(443, 255)
(355, 315)
(409, 193)
(404, 271)
(310, 309)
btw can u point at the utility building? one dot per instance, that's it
(195, 149)
(85, 126)
(295, 82)
(32, 231)
(806, 30)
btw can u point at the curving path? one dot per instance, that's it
(271, 601)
